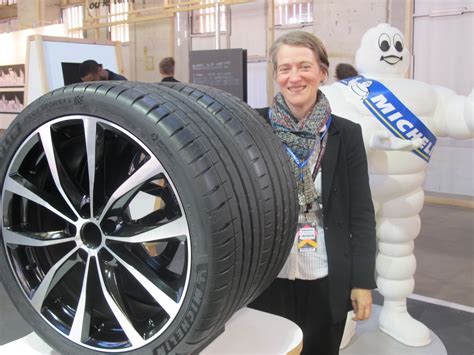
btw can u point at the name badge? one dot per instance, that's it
(307, 237)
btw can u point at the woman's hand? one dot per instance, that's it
(361, 303)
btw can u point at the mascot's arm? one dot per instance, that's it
(340, 105)
(343, 106)
(383, 140)
(454, 115)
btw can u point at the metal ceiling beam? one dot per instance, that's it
(169, 9)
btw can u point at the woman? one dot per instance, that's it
(331, 264)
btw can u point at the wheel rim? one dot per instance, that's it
(95, 233)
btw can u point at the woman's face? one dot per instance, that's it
(299, 76)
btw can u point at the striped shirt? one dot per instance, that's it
(308, 265)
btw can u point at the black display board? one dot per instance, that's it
(225, 69)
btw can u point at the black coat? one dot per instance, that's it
(349, 221)
(115, 76)
(169, 79)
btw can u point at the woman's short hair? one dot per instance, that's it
(301, 39)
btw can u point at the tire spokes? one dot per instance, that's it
(174, 229)
(34, 240)
(152, 284)
(49, 151)
(90, 132)
(81, 324)
(54, 275)
(128, 328)
(146, 172)
(23, 188)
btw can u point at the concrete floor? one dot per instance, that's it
(444, 252)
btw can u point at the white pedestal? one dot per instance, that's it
(247, 332)
(254, 332)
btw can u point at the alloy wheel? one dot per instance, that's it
(96, 234)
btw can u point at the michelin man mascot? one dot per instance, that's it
(400, 120)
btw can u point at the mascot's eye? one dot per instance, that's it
(384, 46)
(397, 39)
(384, 42)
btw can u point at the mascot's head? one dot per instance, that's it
(382, 52)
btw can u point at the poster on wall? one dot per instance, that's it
(12, 75)
(11, 101)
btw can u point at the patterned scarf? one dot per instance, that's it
(302, 138)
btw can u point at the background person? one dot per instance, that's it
(344, 71)
(90, 70)
(331, 264)
(167, 70)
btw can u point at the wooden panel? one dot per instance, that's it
(7, 12)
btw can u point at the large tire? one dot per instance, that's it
(137, 218)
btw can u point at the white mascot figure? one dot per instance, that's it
(400, 120)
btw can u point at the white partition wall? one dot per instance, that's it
(443, 48)
(46, 55)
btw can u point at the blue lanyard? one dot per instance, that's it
(298, 162)
(302, 164)
(328, 123)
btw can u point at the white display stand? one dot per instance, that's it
(45, 55)
(248, 332)
(254, 332)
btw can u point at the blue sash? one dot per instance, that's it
(392, 113)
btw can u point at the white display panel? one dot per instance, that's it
(46, 55)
